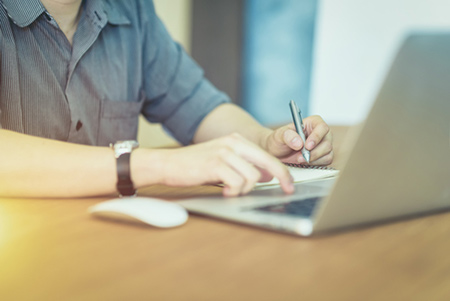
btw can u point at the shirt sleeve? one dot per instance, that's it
(1, 45)
(177, 94)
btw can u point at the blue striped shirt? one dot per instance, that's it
(122, 63)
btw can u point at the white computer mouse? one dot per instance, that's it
(151, 211)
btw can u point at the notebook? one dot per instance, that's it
(397, 166)
(302, 173)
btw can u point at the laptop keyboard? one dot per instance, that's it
(301, 208)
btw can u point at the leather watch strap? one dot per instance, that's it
(124, 183)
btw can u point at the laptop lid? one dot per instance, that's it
(400, 163)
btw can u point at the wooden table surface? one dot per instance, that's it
(51, 249)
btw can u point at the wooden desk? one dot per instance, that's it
(53, 250)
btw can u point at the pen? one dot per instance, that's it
(298, 122)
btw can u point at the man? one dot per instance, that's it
(75, 75)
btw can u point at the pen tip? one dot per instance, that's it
(307, 157)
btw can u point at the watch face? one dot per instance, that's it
(123, 147)
(133, 143)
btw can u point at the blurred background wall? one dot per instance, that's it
(355, 42)
(328, 55)
(277, 47)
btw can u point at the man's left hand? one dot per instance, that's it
(286, 144)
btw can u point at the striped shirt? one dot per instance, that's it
(122, 63)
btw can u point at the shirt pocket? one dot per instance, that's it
(118, 121)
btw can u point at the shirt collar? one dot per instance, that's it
(99, 9)
(23, 14)
(114, 15)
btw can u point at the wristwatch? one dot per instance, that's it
(122, 152)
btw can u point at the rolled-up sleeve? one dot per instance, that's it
(1, 40)
(177, 94)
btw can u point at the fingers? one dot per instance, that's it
(251, 153)
(265, 175)
(239, 176)
(323, 153)
(283, 141)
(324, 160)
(319, 142)
(262, 159)
(287, 144)
(280, 132)
(233, 181)
(292, 139)
(316, 130)
(232, 160)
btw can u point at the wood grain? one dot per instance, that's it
(53, 250)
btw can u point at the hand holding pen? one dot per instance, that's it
(297, 144)
(298, 122)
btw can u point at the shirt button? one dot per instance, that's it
(79, 125)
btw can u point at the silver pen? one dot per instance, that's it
(298, 122)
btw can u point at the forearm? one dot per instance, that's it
(37, 167)
(227, 119)
(283, 143)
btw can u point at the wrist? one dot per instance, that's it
(146, 167)
(264, 139)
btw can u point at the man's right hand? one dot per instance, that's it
(231, 160)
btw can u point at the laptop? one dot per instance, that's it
(397, 165)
